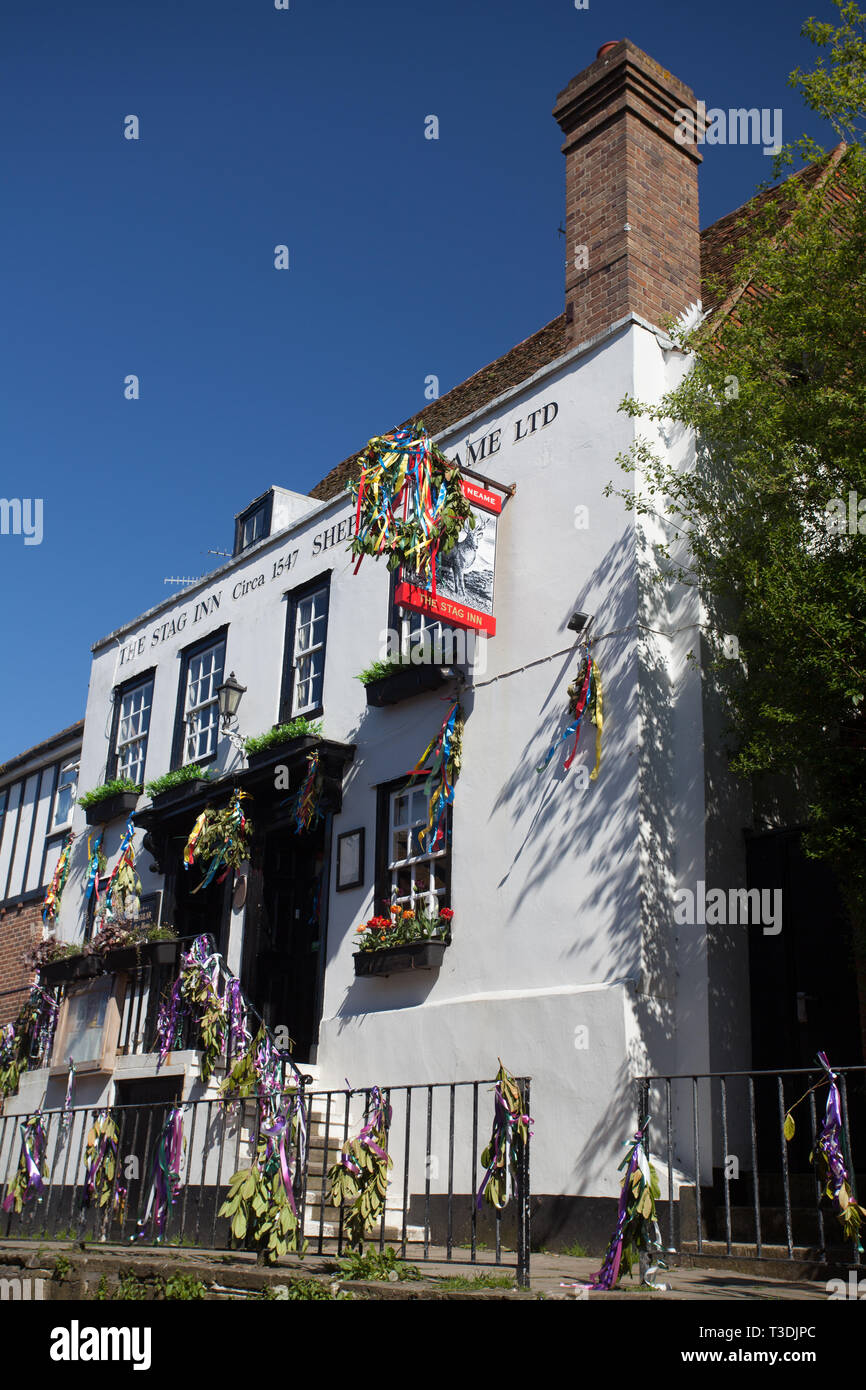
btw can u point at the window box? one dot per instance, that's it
(393, 960)
(402, 685)
(111, 808)
(146, 952)
(275, 751)
(71, 968)
(174, 795)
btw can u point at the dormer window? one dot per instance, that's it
(253, 524)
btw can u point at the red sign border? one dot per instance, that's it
(408, 595)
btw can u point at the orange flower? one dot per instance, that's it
(357, 929)
(407, 913)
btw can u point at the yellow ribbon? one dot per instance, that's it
(599, 722)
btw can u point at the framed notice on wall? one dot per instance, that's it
(88, 1026)
(464, 577)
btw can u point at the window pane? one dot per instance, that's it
(67, 790)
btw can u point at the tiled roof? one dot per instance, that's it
(719, 244)
(723, 243)
(521, 362)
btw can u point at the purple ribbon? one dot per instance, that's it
(32, 1151)
(276, 1135)
(505, 1123)
(379, 1120)
(829, 1140)
(607, 1276)
(166, 1180)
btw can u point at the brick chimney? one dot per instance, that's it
(631, 214)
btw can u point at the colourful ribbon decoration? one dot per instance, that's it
(66, 1116)
(378, 1122)
(194, 837)
(275, 1154)
(199, 958)
(102, 1165)
(226, 992)
(398, 468)
(93, 848)
(51, 906)
(238, 824)
(444, 749)
(32, 1034)
(635, 1162)
(167, 1181)
(305, 802)
(584, 694)
(837, 1183)
(28, 1183)
(508, 1124)
(125, 860)
(41, 1012)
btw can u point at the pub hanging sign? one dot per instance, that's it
(464, 577)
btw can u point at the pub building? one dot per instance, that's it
(565, 958)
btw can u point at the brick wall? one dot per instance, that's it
(631, 194)
(20, 928)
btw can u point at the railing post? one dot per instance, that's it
(523, 1200)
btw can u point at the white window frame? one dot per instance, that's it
(300, 658)
(257, 515)
(70, 782)
(435, 897)
(139, 739)
(194, 724)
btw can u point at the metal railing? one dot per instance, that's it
(436, 1135)
(730, 1177)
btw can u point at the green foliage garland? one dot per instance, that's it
(390, 463)
(359, 1178)
(259, 1210)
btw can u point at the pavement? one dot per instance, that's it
(238, 1272)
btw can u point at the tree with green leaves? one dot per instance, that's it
(770, 521)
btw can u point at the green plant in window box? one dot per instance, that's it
(378, 670)
(282, 733)
(404, 925)
(44, 952)
(190, 772)
(109, 789)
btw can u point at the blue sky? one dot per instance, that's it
(155, 257)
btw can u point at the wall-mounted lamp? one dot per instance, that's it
(229, 697)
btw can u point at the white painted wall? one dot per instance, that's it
(561, 895)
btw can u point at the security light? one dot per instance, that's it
(579, 622)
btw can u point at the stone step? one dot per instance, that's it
(393, 1231)
(313, 1198)
(772, 1263)
(804, 1225)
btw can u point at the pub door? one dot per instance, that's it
(193, 909)
(803, 983)
(283, 935)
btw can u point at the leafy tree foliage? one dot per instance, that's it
(770, 522)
